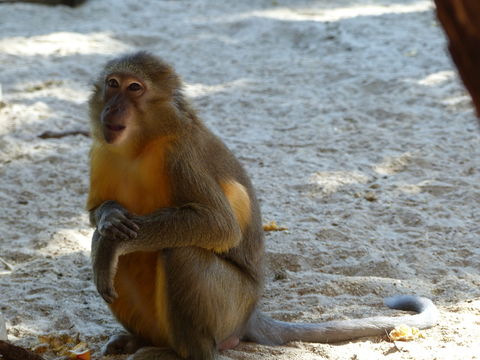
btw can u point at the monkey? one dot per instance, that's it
(178, 246)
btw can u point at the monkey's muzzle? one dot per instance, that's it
(112, 132)
(113, 127)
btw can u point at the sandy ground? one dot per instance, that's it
(348, 115)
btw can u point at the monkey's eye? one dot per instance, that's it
(113, 83)
(134, 87)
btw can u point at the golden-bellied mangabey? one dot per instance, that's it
(178, 246)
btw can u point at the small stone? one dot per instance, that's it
(3, 328)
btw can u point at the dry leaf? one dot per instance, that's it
(405, 333)
(41, 348)
(272, 226)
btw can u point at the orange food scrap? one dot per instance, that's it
(84, 354)
(272, 226)
(405, 333)
(80, 352)
(64, 345)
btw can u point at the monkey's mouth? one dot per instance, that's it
(113, 127)
(113, 132)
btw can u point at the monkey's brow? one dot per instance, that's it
(129, 69)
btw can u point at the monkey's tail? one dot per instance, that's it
(264, 330)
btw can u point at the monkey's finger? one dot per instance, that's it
(108, 227)
(117, 233)
(110, 231)
(131, 224)
(131, 218)
(117, 230)
(127, 231)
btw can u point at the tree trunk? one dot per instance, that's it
(461, 21)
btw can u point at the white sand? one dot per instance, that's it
(326, 103)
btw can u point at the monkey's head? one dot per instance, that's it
(135, 99)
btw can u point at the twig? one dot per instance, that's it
(72, 3)
(13, 352)
(58, 135)
(9, 266)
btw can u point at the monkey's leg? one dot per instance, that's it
(210, 301)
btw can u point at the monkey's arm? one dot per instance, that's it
(193, 224)
(210, 225)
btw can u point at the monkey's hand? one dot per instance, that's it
(105, 255)
(115, 222)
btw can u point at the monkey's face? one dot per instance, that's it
(134, 102)
(123, 97)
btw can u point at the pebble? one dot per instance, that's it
(3, 328)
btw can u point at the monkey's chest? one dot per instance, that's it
(141, 186)
(143, 193)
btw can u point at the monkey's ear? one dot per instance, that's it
(96, 94)
(96, 86)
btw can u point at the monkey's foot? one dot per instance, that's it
(229, 343)
(123, 344)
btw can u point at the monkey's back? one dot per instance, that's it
(225, 166)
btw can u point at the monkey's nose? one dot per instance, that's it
(112, 109)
